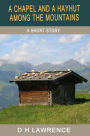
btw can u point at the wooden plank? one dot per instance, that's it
(32, 100)
(42, 103)
(34, 97)
(42, 95)
(30, 93)
(35, 92)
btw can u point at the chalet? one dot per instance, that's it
(48, 87)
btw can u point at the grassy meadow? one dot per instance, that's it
(78, 113)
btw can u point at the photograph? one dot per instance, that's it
(44, 78)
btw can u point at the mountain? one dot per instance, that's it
(87, 64)
(9, 92)
(70, 64)
(74, 65)
(17, 68)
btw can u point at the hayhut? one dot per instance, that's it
(48, 87)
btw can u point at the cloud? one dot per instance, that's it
(35, 50)
(82, 61)
(29, 51)
(43, 41)
(4, 37)
(70, 38)
(76, 38)
(57, 62)
(18, 54)
(83, 53)
(63, 39)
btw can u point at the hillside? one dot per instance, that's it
(84, 90)
(8, 95)
(78, 113)
(9, 92)
(17, 68)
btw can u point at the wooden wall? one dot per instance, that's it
(37, 93)
(64, 94)
(34, 93)
(34, 97)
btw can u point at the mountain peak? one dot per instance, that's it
(72, 61)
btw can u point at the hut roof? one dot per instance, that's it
(48, 76)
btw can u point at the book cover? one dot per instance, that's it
(44, 68)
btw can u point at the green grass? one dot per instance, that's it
(56, 114)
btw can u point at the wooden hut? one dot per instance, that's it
(48, 87)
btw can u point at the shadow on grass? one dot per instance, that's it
(81, 100)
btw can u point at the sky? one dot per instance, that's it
(42, 48)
